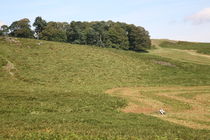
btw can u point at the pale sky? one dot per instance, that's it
(172, 19)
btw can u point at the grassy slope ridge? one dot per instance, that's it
(199, 47)
(57, 90)
(197, 53)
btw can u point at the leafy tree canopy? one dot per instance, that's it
(39, 25)
(21, 28)
(53, 32)
(99, 33)
(4, 29)
(138, 38)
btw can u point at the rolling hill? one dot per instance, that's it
(52, 90)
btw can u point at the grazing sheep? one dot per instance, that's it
(162, 112)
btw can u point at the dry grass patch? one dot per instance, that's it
(191, 112)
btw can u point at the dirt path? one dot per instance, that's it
(188, 106)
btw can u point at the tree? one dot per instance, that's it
(76, 32)
(98, 33)
(21, 28)
(139, 38)
(109, 34)
(101, 29)
(52, 32)
(39, 25)
(118, 36)
(92, 36)
(4, 30)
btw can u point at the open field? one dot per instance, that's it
(51, 90)
(203, 48)
(188, 106)
(184, 53)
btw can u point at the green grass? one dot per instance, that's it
(192, 94)
(199, 47)
(58, 92)
(183, 51)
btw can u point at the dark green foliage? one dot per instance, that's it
(118, 37)
(53, 32)
(199, 47)
(100, 33)
(21, 28)
(76, 33)
(39, 25)
(101, 30)
(92, 36)
(4, 30)
(109, 34)
(138, 38)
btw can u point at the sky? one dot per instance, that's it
(187, 20)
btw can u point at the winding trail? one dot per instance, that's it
(188, 106)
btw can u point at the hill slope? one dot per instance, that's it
(57, 90)
(183, 51)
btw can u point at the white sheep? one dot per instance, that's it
(162, 112)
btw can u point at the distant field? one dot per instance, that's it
(198, 47)
(183, 51)
(51, 90)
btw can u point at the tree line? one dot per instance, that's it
(99, 33)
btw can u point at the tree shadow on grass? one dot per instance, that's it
(141, 51)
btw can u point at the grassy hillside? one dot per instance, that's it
(199, 47)
(55, 90)
(187, 106)
(183, 51)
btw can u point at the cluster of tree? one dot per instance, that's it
(104, 34)
(19, 28)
